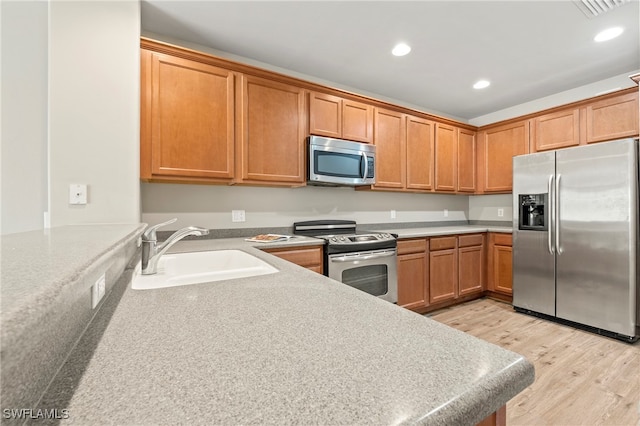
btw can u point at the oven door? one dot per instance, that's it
(373, 272)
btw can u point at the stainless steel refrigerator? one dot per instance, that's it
(575, 237)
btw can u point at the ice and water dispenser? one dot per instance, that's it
(533, 212)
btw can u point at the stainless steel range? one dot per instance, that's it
(366, 261)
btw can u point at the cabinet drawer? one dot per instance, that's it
(502, 239)
(412, 246)
(470, 240)
(442, 243)
(303, 256)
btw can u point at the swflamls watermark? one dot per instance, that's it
(35, 414)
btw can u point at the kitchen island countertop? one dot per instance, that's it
(290, 347)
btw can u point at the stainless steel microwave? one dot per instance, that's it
(341, 162)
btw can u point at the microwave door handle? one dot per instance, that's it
(366, 165)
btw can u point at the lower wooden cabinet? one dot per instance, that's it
(309, 257)
(440, 271)
(500, 272)
(413, 273)
(456, 267)
(443, 271)
(471, 264)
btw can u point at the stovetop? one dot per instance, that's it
(358, 238)
(342, 233)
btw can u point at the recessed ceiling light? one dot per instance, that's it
(481, 84)
(608, 34)
(401, 49)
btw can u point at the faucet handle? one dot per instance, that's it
(150, 232)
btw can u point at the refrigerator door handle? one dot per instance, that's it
(556, 223)
(552, 221)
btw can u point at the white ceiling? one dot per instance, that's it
(527, 49)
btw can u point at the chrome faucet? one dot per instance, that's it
(152, 252)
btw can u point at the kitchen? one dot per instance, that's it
(114, 197)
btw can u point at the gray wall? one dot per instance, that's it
(94, 112)
(70, 112)
(24, 33)
(211, 206)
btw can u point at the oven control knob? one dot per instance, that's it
(334, 239)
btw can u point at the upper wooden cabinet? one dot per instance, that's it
(497, 147)
(390, 142)
(187, 120)
(336, 117)
(559, 129)
(612, 118)
(446, 161)
(420, 151)
(466, 181)
(203, 123)
(272, 129)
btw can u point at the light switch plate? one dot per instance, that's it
(77, 193)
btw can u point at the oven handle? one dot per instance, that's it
(365, 257)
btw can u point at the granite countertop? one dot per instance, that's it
(444, 230)
(290, 347)
(35, 265)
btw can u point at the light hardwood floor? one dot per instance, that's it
(581, 378)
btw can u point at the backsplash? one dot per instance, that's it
(488, 208)
(210, 206)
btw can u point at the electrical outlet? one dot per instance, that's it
(500, 212)
(238, 216)
(98, 290)
(446, 213)
(393, 214)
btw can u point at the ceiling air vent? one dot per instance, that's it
(593, 8)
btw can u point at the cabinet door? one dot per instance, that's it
(325, 115)
(390, 149)
(466, 181)
(500, 272)
(412, 280)
(502, 269)
(357, 121)
(612, 118)
(443, 275)
(420, 135)
(273, 128)
(556, 130)
(413, 273)
(307, 257)
(471, 270)
(187, 129)
(499, 146)
(446, 164)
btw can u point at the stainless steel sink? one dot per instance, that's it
(201, 267)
